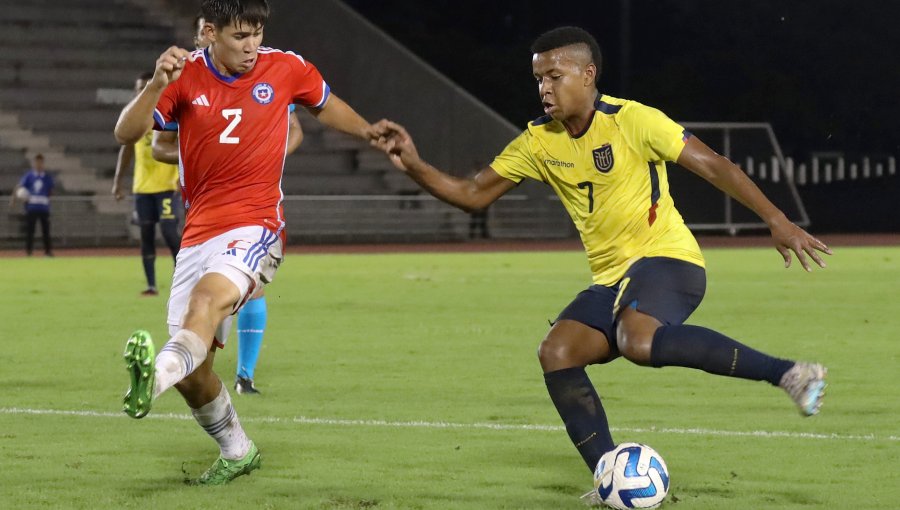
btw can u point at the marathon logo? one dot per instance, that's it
(561, 164)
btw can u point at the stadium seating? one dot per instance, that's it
(71, 66)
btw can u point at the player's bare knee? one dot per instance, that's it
(550, 351)
(201, 301)
(634, 335)
(555, 353)
(634, 344)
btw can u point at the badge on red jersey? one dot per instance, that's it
(263, 93)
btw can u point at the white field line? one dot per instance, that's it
(303, 420)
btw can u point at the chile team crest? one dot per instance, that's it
(263, 93)
(603, 158)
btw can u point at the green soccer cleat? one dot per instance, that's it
(140, 360)
(224, 470)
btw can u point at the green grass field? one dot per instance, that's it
(411, 381)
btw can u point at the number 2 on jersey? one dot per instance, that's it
(229, 113)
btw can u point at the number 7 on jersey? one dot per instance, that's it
(590, 187)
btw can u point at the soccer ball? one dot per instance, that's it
(22, 193)
(633, 475)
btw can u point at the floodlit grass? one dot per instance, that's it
(411, 381)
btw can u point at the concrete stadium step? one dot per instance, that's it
(69, 13)
(326, 183)
(47, 77)
(106, 204)
(75, 140)
(9, 181)
(396, 181)
(102, 160)
(43, 96)
(117, 38)
(78, 58)
(95, 4)
(94, 119)
(13, 161)
(319, 161)
(383, 219)
(374, 160)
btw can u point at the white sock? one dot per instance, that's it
(181, 355)
(219, 419)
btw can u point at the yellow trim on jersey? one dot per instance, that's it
(612, 181)
(151, 176)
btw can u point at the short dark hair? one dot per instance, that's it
(222, 13)
(39, 156)
(146, 76)
(565, 36)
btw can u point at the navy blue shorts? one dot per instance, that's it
(154, 207)
(667, 289)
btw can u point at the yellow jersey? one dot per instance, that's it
(151, 176)
(612, 181)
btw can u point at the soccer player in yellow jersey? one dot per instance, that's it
(606, 159)
(154, 189)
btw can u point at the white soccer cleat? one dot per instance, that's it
(805, 383)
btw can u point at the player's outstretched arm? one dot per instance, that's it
(165, 147)
(471, 194)
(339, 115)
(726, 176)
(137, 116)
(126, 156)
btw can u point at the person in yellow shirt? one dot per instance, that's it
(154, 189)
(606, 160)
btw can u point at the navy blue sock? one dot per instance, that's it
(698, 347)
(169, 231)
(579, 406)
(148, 253)
(150, 270)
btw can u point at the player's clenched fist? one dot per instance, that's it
(169, 65)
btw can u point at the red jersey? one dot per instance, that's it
(232, 135)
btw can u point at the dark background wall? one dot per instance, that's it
(823, 72)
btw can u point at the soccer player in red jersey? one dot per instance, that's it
(230, 102)
(251, 320)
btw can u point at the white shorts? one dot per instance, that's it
(247, 256)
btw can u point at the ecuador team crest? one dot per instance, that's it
(603, 158)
